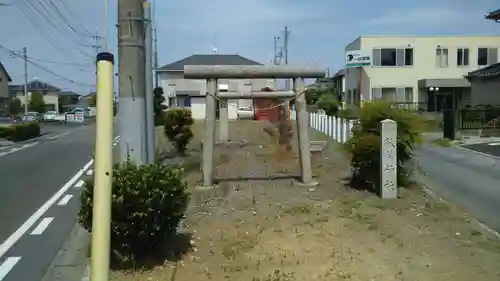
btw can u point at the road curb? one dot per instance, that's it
(86, 275)
(477, 152)
(472, 219)
(71, 261)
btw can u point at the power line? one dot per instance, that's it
(47, 14)
(35, 21)
(60, 62)
(84, 31)
(15, 53)
(40, 15)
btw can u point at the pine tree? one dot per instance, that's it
(159, 107)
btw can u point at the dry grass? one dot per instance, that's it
(261, 230)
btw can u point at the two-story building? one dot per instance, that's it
(51, 94)
(181, 92)
(424, 71)
(4, 90)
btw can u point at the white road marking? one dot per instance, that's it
(60, 135)
(7, 266)
(494, 143)
(116, 140)
(16, 149)
(64, 201)
(40, 228)
(29, 145)
(80, 183)
(14, 237)
(90, 172)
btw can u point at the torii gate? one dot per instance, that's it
(214, 72)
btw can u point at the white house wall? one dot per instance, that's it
(50, 98)
(172, 82)
(424, 61)
(198, 108)
(232, 108)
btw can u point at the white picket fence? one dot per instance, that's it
(337, 128)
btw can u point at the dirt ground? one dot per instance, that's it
(251, 228)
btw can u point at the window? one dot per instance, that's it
(487, 56)
(463, 57)
(392, 57)
(171, 102)
(183, 101)
(408, 94)
(441, 57)
(388, 57)
(408, 57)
(395, 94)
(376, 93)
(389, 94)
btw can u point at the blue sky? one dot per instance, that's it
(320, 29)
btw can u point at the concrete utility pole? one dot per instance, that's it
(285, 50)
(97, 47)
(277, 52)
(106, 25)
(97, 43)
(155, 63)
(155, 45)
(131, 81)
(26, 98)
(150, 120)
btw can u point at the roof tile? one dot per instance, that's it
(208, 59)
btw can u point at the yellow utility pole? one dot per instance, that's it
(103, 169)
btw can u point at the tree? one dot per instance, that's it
(329, 103)
(93, 101)
(158, 106)
(37, 103)
(66, 100)
(15, 106)
(312, 96)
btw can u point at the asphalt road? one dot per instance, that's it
(492, 148)
(465, 178)
(33, 223)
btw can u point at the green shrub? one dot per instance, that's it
(349, 113)
(148, 202)
(444, 142)
(364, 146)
(329, 104)
(177, 126)
(4, 132)
(24, 131)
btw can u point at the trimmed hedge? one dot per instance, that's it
(177, 124)
(4, 132)
(20, 132)
(147, 204)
